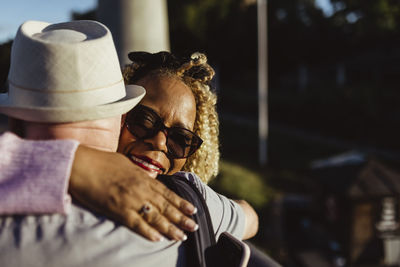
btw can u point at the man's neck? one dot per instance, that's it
(100, 134)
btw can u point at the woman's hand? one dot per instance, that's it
(110, 184)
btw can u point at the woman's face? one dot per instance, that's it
(174, 103)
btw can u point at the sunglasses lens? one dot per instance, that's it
(181, 143)
(141, 124)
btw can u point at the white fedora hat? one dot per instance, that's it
(66, 72)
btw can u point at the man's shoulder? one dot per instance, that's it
(80, 239)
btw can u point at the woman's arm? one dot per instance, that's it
(251, 225)
(234, 216)
(34, 175)
(34, 178)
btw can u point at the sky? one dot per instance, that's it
(326, 6)
(14, 12)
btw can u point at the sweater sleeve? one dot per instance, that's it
(34, 175)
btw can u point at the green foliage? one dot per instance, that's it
(195, 12)
(89, 15)
(240, 182)
(198, 17)
(225, 30)
(375, 16)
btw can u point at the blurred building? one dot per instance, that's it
(350, 217)
(360, 198)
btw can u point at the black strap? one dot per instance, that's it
(202, 239)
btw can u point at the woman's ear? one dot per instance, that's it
(16, 126)
(123, 117)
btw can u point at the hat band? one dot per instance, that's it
(52, 91)
(21, 96)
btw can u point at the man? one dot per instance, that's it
(64, 83)
(59, 74)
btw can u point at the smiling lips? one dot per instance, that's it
(147, 164)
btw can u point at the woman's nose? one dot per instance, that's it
(159, 141)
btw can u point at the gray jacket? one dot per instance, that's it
(85, 239)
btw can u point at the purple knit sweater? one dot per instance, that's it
(35, 172)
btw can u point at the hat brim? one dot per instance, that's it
(134, 94)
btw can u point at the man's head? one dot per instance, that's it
(65, 73)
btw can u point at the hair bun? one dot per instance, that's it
(198, 58)
(140, 58)
(151, 61)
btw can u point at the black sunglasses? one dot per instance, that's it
(143, 122)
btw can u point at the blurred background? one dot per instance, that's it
(327, 192)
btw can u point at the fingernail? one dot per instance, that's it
(191, 225)
(181, 236)
(190, 209)
(157, 237)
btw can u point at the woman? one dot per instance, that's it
(165, 77)
(162, 135)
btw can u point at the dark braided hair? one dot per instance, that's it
(196, 73)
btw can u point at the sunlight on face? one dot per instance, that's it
(174, 102)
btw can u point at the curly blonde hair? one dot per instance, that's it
(196, 73)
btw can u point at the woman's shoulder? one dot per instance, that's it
(226, 214)
(193, 178)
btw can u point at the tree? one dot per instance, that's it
(226, 30)
(5, 52)
(369, 16)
